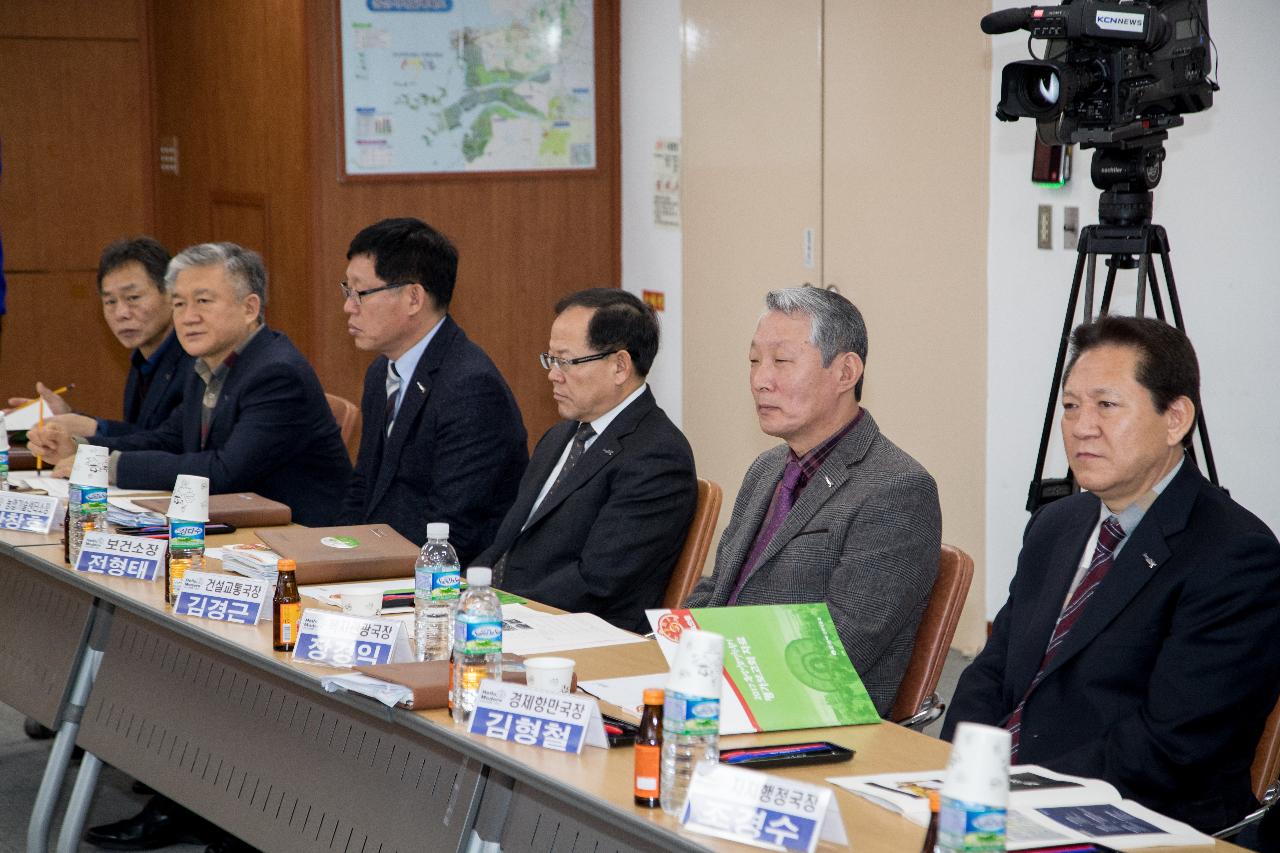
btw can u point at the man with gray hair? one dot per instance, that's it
(253, 417)
(838, 513)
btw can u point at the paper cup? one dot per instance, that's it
(699, 666)
(554, 675)
(978, 771)
(190, 501)
(361, 603)
(90, 466)
(4, 434)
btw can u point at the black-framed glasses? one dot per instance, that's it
(549, 361)
(348, 291)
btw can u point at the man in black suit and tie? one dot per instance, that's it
(1141, 640)
(442, 439)
(606, 501)
(137, 310)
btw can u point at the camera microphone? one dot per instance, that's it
(1006, 20)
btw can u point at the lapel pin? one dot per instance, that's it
(1151, 564)
(420, 388)
(607, 452)
(830, 485)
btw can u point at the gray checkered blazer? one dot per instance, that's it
(864, 536)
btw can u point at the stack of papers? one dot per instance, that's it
(1045, 809)
(253, 560)
(57, 487)
(123, 512)
(384, 691)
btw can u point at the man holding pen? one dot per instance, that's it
(136, 308)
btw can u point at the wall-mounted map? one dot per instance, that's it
(468, 85)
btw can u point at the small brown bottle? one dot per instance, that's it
(66, 538)
(931, 834)
(649, 750)
(286, 607)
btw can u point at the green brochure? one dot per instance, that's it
(784, 666)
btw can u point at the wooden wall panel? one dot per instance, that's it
(75, 124)
(73, 151)
(54, 332)
(86, 19)
(230, 84)
(523, 240)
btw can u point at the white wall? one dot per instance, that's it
(651, 254)
(1220, 202)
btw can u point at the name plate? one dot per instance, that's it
(223, 598)
(559, 721)
(119, 556)
(762, 810)
(336, 639)
(32, 513)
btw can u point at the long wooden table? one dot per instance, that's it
(207, 714)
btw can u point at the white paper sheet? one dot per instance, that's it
(59, 488)
(526, 631)
(28, 416)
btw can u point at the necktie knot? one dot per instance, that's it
(1110, 534)
(393, 393)
(585, 433)
(791, 475)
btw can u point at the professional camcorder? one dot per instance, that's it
(1111, 71)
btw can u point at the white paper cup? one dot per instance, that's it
(699, 666)
(4, 434)
(90, 466)
(554, 675)
(190, 501)
(361, 603)
(978, 771)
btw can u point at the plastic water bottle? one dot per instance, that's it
(185, 554)
(436, 579)
(477, 643)
(86, 512)
(690, 716)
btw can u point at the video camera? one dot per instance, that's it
(1112, 71)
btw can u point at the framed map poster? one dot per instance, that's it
(467, 86)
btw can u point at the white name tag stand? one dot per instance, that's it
(223, 598)
(119, 556)
(335, 639)
(562, 722)
(32, 513)
(761, 810)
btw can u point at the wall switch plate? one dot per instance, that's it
(1070, 227)
(1044, 227)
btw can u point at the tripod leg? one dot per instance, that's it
(1110, 286)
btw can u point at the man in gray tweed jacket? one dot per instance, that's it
(838, 513)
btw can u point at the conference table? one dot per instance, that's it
(206, 713)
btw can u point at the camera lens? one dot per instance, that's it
(1044, 89)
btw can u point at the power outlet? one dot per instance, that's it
(1044, 227)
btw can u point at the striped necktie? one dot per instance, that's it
(393, 392)
(1109, 538)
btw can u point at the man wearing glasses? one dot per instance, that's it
(605, 503)
(442, 438)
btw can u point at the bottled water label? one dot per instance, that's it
(4, 462)
(970, 827)
(690, 715)
(445, 582)
(89, 498)
(477, 635)
(185, 535)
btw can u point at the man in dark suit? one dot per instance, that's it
(1141, 640)
(606, 501)
(253, 418)
(136, 308)
(838, 513)
(442, 438)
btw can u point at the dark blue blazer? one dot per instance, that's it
(272, 433)
(169, 377)
(605, 541)
(1163, 685)
(456, 450)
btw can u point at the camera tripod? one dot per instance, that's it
(1127, 238)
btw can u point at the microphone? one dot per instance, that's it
(1006, 20)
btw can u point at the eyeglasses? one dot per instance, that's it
(549, 361)
(348, 291)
